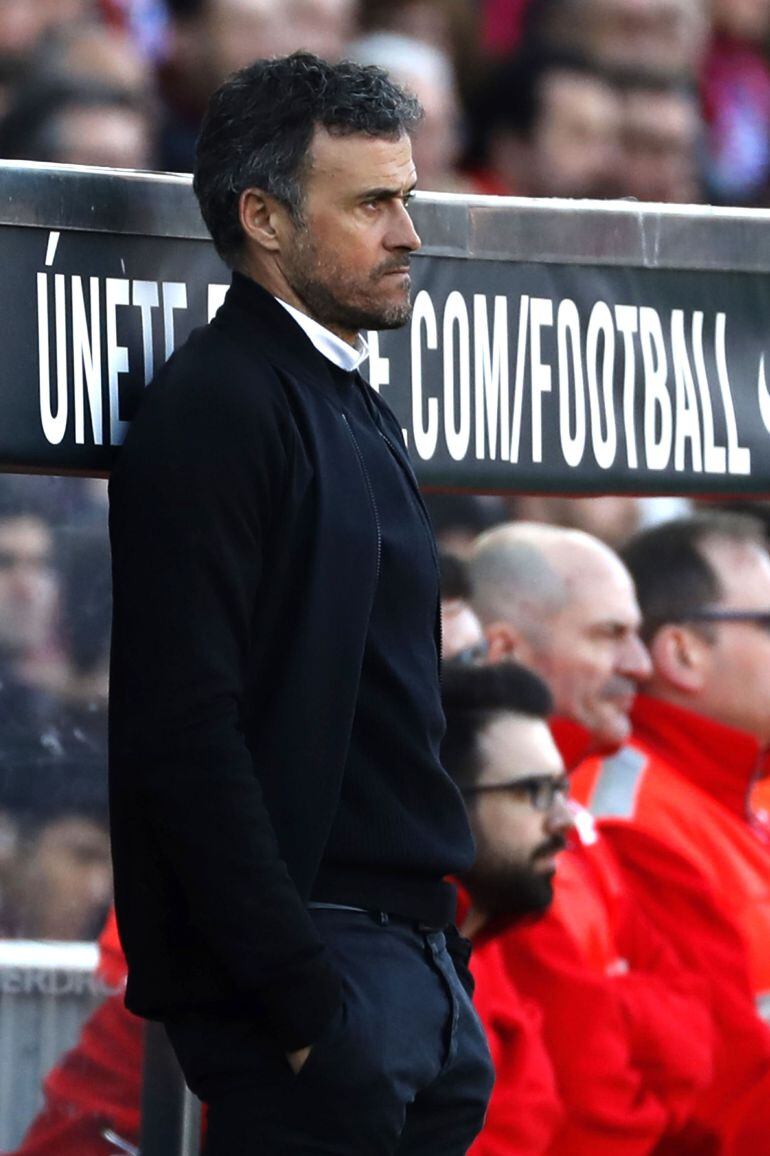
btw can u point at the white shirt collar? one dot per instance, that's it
(337, 351)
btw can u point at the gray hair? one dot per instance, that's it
(513, 580)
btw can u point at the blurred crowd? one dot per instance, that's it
(654, 99)
(661, 100)
(606, 665)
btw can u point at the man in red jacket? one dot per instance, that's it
(93, 1093)
(500, 753)
(701, 734)
(627, 1025)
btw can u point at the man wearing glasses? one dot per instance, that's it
(701, 734)
(627, 1031)
(499, 751)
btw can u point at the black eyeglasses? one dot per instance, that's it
(760, 618)
(540, 791)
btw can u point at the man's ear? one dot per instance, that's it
(681, 657)
(263, 219)
(505, 643)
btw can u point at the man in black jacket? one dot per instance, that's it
(282, 825)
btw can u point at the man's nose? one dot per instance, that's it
(635, 660)
(403, 234)
(560, 816)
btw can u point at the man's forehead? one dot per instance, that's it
(602, 605)
(516, 745)
(736, 564)
(355, 159)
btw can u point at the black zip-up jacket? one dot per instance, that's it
(245, 561)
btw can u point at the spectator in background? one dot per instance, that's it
(562, 603)
(28, 588)
(736, 99)
(23, 23)
(29, 594)
(210, 39)
(80, 123)
(701, 736)
(60, 885)
(611, 518)
(702, 731)
(500, 753)
(546, 125)
(80, 683)
(622, 1017)
(452, 26)
(91, 53)
(661, 141)
(565, 605)
(503, 23)
(666, 38)
(96, 1088)
(427, 72)
(462, 638)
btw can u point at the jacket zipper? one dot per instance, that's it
(370, 488)
(423, 515)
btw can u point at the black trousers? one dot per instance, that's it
(403, 1067)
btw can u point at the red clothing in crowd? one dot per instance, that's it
(97, 1085)
(525, 1111)
(673, 805)
(627, 1028)
(502, 25)
(687, 781)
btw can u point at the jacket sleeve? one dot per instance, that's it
(678, 900)
(525, 1111)
(667, 1009)
(201, 486)
(609, 1110)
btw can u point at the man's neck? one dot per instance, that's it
(273, 281)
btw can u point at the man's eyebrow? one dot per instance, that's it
(614, 625)
(384, 193)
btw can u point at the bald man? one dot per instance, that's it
(621, 1017)
(563, 603)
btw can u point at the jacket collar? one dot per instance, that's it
(251, 314)
(344, 356)
(722, 761)
(575, 742)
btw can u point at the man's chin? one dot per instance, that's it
(611, 733)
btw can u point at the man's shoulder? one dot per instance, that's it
(209, 411)
(213, 364)
(621, 785)
(212, 385)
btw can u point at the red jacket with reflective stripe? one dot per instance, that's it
(673, 805)
(97, 1084)
(625, 1024)
(525, 1110)
(687, 780)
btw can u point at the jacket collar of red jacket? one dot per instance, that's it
(575, 742)
(722, 761)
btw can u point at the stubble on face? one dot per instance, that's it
(345, 259)
(339, 300)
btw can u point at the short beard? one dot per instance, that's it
(500, 887)
(327, 307)
(513, 892)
